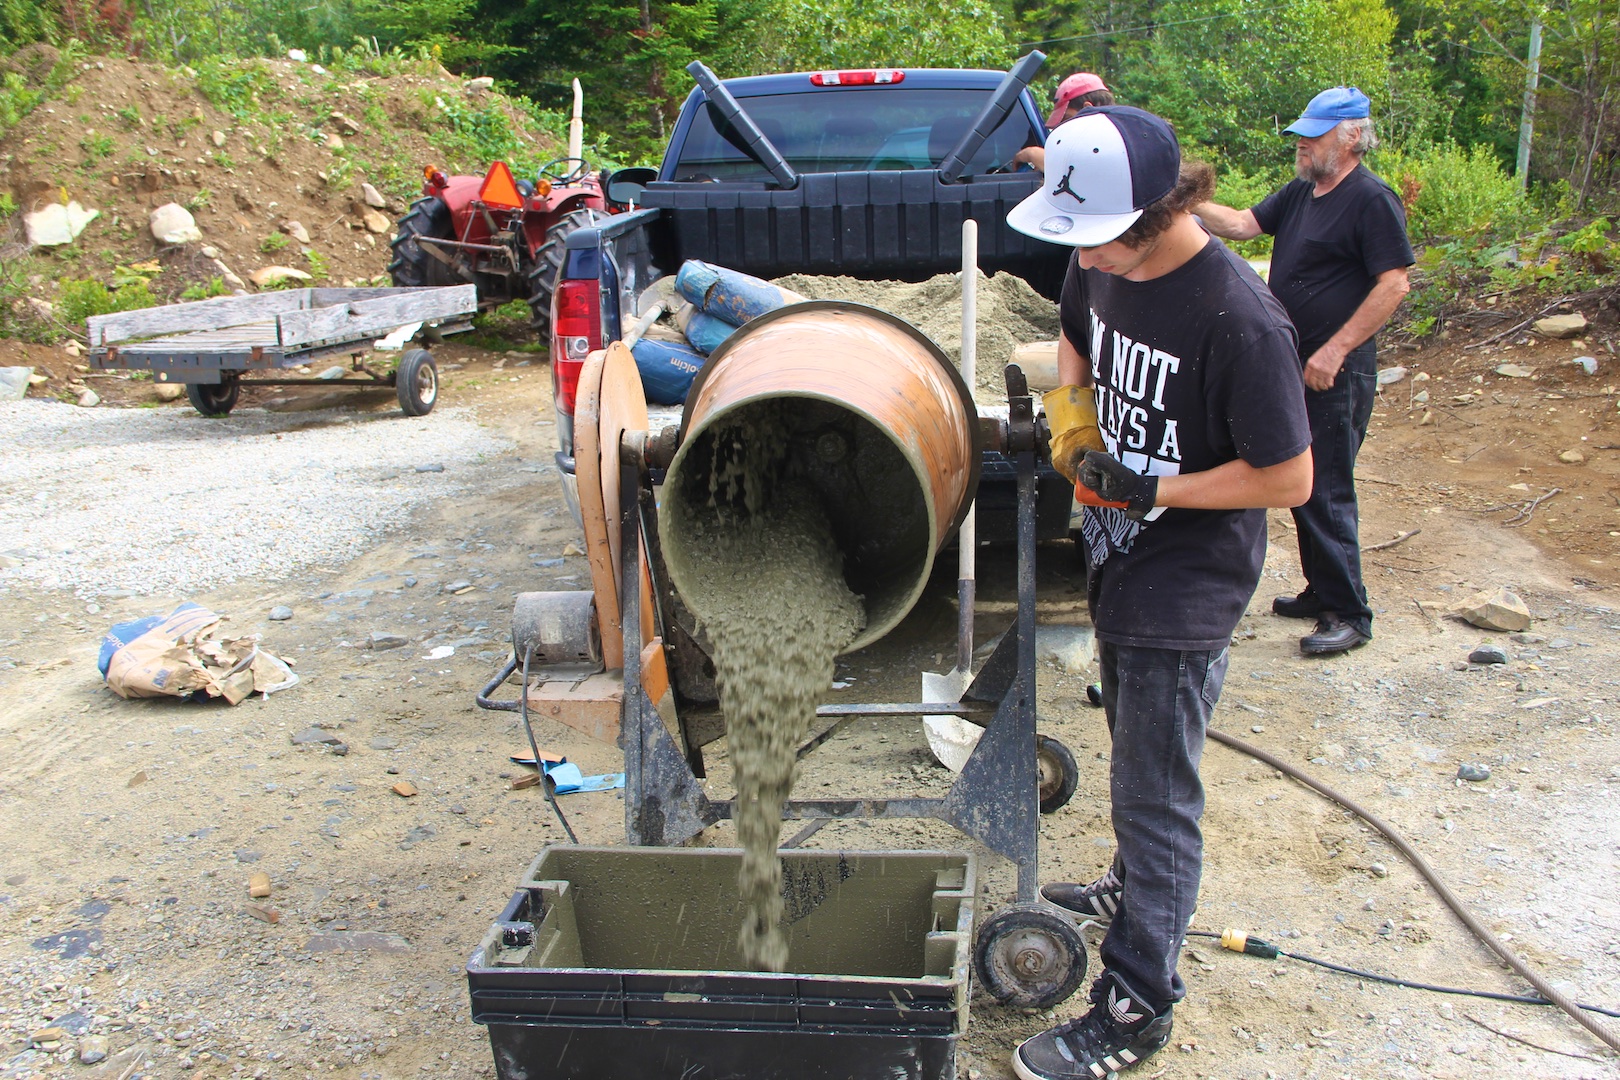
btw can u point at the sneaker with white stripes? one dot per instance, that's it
(1118, 1032)
(1099, 900)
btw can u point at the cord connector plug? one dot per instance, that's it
(1240, 942)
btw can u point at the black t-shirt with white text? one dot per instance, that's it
(1330, 249)
(1193, 369)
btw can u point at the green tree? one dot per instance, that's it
(805, 35)
(1231, 74)
(1481, 49)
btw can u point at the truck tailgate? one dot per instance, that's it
(903, 225)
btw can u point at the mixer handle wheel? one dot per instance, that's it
(1029, 956)
(1057, 771)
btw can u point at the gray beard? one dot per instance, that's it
(1314, 171)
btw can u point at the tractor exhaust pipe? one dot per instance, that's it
(576, 125)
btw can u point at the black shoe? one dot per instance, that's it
(1117, 1033)
(1333, 635)
(1099, 900)
(1304, 606)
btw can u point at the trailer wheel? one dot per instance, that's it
(412, 265)
(547, 262)
(417, 382)
(1029, 956)
(1059, 775)
(215, 399)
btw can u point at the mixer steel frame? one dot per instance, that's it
(995, 800)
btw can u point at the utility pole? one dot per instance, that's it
(1528, 119)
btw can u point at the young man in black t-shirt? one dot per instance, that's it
(1339, 267)
(1201, 412)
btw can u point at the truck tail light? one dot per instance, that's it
(576, 330)
(868, 77)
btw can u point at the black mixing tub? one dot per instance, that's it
(622, 964)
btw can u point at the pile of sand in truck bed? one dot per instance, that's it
(1010, 313)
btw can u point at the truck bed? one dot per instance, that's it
(900, 225)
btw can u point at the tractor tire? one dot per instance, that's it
(548, 261)
(413, 266)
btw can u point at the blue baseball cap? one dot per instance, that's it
(1326, 109)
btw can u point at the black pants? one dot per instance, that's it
(1329, 524)
(1158, 704)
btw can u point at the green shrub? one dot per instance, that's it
(78, 299)
(274, 242)
(237, 86)
(1240, 189)
(1452, 192)
(96, 147)
(215, 287)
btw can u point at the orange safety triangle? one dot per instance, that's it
(499, 188)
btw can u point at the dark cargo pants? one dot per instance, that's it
(1329, 523)
(1158, 703)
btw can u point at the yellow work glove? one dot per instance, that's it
(1071, 412)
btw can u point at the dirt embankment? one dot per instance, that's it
(269, 157)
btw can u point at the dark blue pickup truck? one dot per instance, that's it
(868, 174)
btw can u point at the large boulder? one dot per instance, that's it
(1496, 609)
(1561, 326)
(56, 224)
(172, 223)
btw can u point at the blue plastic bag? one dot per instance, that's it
(707, 332)
(667, 369)
(727, 294)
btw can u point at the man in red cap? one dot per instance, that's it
(1078, 92)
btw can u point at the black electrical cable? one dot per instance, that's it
(1452, 900)
(547, 784)
(1270, 949)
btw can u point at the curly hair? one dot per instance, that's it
(1195, 184)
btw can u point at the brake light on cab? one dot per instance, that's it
(866, 77)
(576, 330)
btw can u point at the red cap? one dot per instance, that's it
(1081, 82)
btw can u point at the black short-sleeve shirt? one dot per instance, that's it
(1193, 369)
(1330, 249)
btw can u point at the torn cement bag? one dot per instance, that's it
(184, 656)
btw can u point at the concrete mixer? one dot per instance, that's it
(871, 415)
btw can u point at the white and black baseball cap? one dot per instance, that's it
(1102, 169)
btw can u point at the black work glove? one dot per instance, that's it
(1114, 482)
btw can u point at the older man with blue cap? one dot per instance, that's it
(1339, 265)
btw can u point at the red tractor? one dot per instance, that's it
(504, 235)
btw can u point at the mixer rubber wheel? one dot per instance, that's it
(1059, 775)
(1029, 956)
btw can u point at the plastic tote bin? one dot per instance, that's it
(621, 964)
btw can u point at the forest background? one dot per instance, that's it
(1448, 81)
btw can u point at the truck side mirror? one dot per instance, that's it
(626, 185)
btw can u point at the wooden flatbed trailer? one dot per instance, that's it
(209, 345)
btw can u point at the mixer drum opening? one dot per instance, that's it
(838, 403)
(879, 513)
